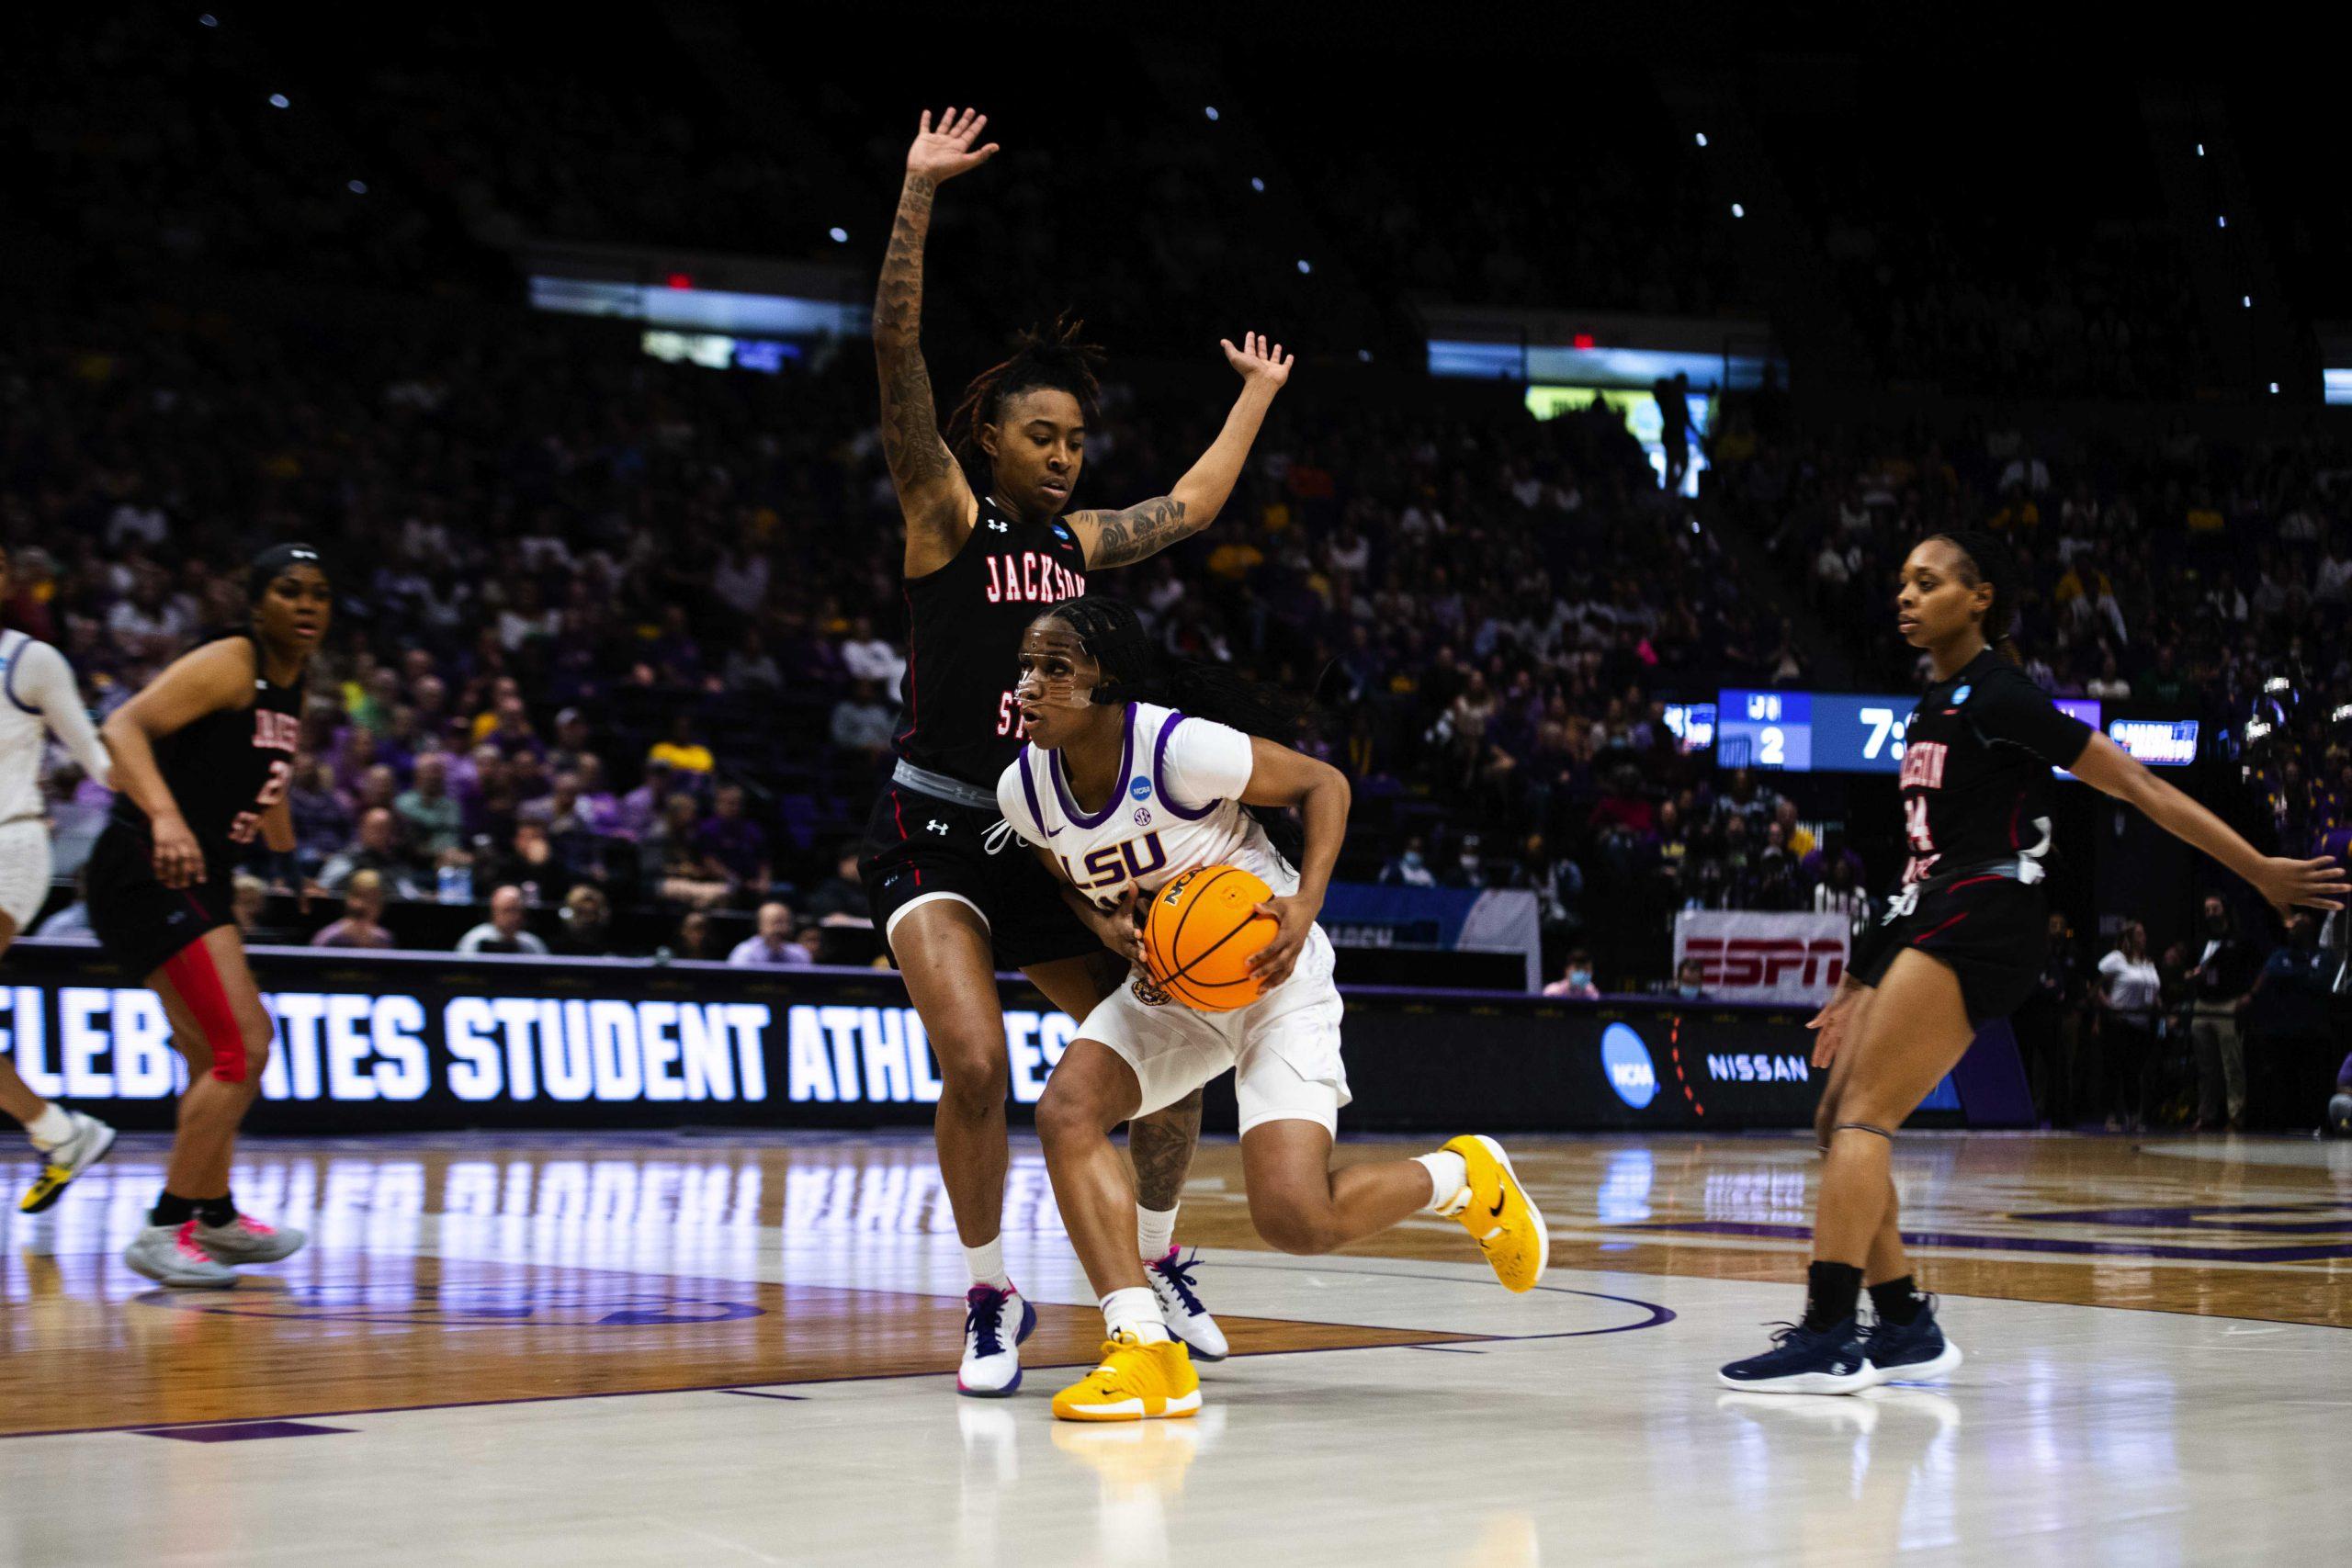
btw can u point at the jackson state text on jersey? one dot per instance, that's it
(1028, 578)
(1176, 807)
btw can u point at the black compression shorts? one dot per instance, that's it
(1989, 931)
(919, 846)
(142, 924)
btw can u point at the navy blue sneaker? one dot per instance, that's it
(1806, 1360)
(991, 1367)
(1910, 1352)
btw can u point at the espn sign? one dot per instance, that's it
(1754, 956)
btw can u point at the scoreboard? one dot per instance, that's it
(1805, 732)
(1849, 732)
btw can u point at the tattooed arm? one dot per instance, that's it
(938, 504)
(1120, 539)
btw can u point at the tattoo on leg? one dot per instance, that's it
(1162, 1145)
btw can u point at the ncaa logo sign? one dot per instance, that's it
(1628, 1062)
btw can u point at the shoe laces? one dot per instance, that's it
(1177, 1274)
(984, 1318)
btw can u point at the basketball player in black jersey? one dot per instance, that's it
(201, 759)
(954, 895)
(1961, 945)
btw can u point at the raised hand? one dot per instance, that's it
(2311, 884)
(1258, 359)
(944, 153)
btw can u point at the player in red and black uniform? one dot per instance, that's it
(201, 759)
(987, 546)
(1961, 945)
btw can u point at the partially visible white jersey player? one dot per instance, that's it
(38, 698)
(1129, 780)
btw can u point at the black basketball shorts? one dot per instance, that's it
(1989, 931)
(919, 848)
(140, 923)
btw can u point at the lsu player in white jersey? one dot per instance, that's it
(38, 698)
(1138, 769)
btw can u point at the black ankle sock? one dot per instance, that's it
(217, 1211)
(1897, 1302)
(1831, 1290)
(171, 1209)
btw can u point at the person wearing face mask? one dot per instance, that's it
(1410, 869)
(1690, 980)
(2220, 987)
(2130, 989)
(1576, 983)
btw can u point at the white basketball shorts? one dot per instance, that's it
(1284, 1048)
(24, 871)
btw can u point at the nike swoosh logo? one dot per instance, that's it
(1053, 832)
(1501, 1199)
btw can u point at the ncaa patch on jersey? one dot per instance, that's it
(1139, 786)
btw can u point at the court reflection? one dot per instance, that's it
(1892, 1453)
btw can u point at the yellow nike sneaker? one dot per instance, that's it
(1135, 1382)
(1501, 1217)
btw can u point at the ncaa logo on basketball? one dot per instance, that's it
(1628, 1062)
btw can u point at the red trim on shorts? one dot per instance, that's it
(2015, 811)
(898, 814)
(1989, 876)
(197, 979)
(1937, 930)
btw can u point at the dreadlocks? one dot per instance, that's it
(1134, 671)
(1984, 558)
(1052, 356)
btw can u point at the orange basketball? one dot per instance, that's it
(1201, 934)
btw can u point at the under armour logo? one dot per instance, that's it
(936, 826)
(1000, 526)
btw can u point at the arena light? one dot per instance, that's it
(2201, 148)
(1211, 111)
(1702, 139)
(840, 234)
(1737, 210)
(2343, 715)
(2222, 219)
(356, 187)
(209, 19)
(1256, 184)
(279, 101)
(1303, 267)
(2247, 301)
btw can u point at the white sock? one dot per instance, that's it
(1135, 1311)
(50, 1128)
(1155, 1231)
(986, 1263)
(1449, 1181)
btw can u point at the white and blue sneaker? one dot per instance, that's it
(1181, 1309)
(991, 1367)
(1806, 1360)
(1910, 1352)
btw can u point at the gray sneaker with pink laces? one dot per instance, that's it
(247, 1240)
(169, 1256)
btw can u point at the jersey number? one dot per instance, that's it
(1009, 720)
(273, 790)
(1915, 825)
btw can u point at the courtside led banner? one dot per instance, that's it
(433, 1042)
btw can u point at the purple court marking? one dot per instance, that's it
(755, 1394)
(238, 1431)
(1659, 1317)
(2203, 1218)
(2029, 1243)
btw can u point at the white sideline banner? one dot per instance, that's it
(1753, 955)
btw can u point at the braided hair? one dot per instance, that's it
(1054, 356)
(1987, 558)
(1136, 671)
